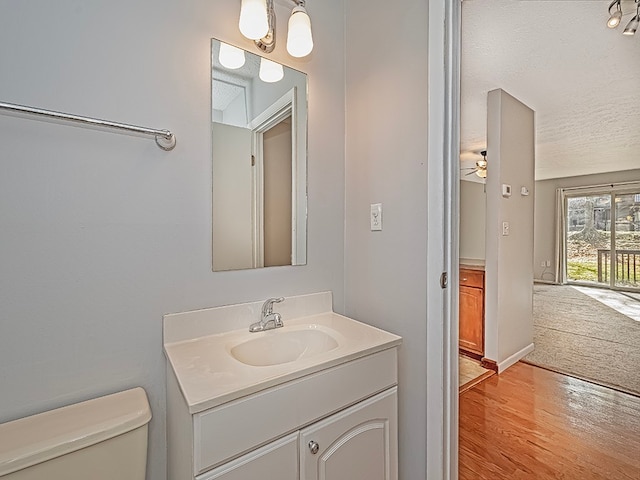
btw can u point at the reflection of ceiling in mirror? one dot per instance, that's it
(225, 89)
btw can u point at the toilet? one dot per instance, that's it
(101, 439)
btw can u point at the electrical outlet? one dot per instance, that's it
(542, 263)
(548, 263)
(376, 216)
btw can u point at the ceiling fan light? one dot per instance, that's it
(633, 26)
(614, 19)
(481, 172)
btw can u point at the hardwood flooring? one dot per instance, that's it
(531, 423)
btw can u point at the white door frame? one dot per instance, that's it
(442, 239)
(284, 107)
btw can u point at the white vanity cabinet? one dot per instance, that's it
(355, 444)
(349, 411)
(329, 412)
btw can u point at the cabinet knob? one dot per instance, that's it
(314, 447)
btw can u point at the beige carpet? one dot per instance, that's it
(577, 335)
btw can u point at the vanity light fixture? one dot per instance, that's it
(270, 72)
(231, 57)
(254, 22)
(255, 14)
(615, 17)
(299, 37)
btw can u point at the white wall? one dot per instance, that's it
(473, 210)
(386, 271)
(101, 233)
(509, 259)
(545, 213)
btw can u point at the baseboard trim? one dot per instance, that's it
(546, 282)
(490, 364)
(502, 366)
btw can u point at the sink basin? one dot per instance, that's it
(277, 347)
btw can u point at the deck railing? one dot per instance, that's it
(627, 266)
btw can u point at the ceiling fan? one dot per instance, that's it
(481, 166)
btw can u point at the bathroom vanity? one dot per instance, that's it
(315, 399)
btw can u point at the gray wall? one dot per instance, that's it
(473, 211)
(100, 233)
(509, 259)
(386, 271)
(545, 213)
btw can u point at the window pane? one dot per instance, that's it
(589, 239)
(627, 238)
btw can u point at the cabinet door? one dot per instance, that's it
(359, 443)
(277, 460)
(472, 319)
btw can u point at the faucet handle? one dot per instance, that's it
(267, 307)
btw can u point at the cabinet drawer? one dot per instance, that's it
(471, 278)
(221, 433)
(277, 460)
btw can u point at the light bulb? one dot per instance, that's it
(614, 19)
(299, 37)
(254, 23)
(482, 173)
(231, 57)
(633, 26)
(270, 72)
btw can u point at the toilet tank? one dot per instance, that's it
(100, 439)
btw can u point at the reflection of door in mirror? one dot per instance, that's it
(277, 194)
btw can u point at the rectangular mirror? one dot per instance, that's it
(259, 155)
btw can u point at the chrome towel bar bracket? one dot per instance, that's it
(164, 138)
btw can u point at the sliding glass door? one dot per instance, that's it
(626, 259)
(588, 236)
(602, 240)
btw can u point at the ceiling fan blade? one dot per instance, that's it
(470, 173)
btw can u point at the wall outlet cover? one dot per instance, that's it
(376, 217)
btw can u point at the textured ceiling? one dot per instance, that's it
(558, 57)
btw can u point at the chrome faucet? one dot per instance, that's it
(269, 320)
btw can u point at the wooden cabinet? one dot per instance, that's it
(472, 311)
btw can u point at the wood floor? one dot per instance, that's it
(531, 423)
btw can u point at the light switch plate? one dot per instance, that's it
(376, 216)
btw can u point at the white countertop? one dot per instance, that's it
(209, 375)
